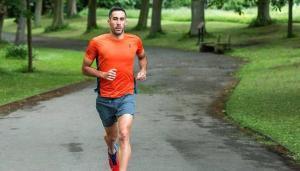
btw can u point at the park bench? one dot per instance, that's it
(217, 47)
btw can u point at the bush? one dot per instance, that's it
(18, 52)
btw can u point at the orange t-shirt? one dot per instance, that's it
(111, 53)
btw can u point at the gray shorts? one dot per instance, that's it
(110, 109)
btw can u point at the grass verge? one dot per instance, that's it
(267, 97)
(53, 68)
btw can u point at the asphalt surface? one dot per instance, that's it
(172, 130)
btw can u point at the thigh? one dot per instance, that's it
(107, 111)
(126, 105)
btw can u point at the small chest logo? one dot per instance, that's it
(129, 45)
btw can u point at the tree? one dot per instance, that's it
(198, 15)
(38, 13)
(263, 8)
(20, 34)
(2, 16)
(143, 17)
(263, 13)
(72, 8)
(58, 15)
(92, 15)
(156, 18)
(290, 21)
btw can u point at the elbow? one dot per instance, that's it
(83, 71)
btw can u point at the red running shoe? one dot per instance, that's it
(113, 159)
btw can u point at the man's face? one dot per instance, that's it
(117, 22)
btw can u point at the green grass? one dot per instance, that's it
(53, 68)
(267, 97)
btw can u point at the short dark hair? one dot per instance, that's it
(116, 8)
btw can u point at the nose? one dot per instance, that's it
(118, 21)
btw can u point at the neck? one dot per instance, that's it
(121, 36)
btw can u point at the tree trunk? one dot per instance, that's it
(38, 13)
(143, 17)
(156, 18)
(263, 13)
(92, 15)
(198, 16)
(58, 14)
(290, 21)
(2, 16)
(30, 68)
(72, 8)
(20, 34)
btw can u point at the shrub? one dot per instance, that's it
(16, 51)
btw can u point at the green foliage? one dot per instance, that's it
(81, 4)
(15, 9)
(278, 4)
(176, 3)
(238, 5)
(16, 51)
(122, 3)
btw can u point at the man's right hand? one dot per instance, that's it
(109, 75)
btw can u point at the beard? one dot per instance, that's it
(117, 32)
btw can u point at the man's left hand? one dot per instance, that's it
(142, 76)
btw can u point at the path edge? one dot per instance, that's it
(8, 108)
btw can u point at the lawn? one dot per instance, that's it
(265, 100)
(267, 97)
(53, 68)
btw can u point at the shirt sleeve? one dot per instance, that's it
(91, 51)
(140, 48)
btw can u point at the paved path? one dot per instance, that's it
(172, 129)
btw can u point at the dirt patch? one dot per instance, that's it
(217, 107)
(33, 100)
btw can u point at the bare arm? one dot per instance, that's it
(143, 62)
(90, 71)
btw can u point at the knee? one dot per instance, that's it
(124, 135)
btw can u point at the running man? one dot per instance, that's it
(114, 53)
